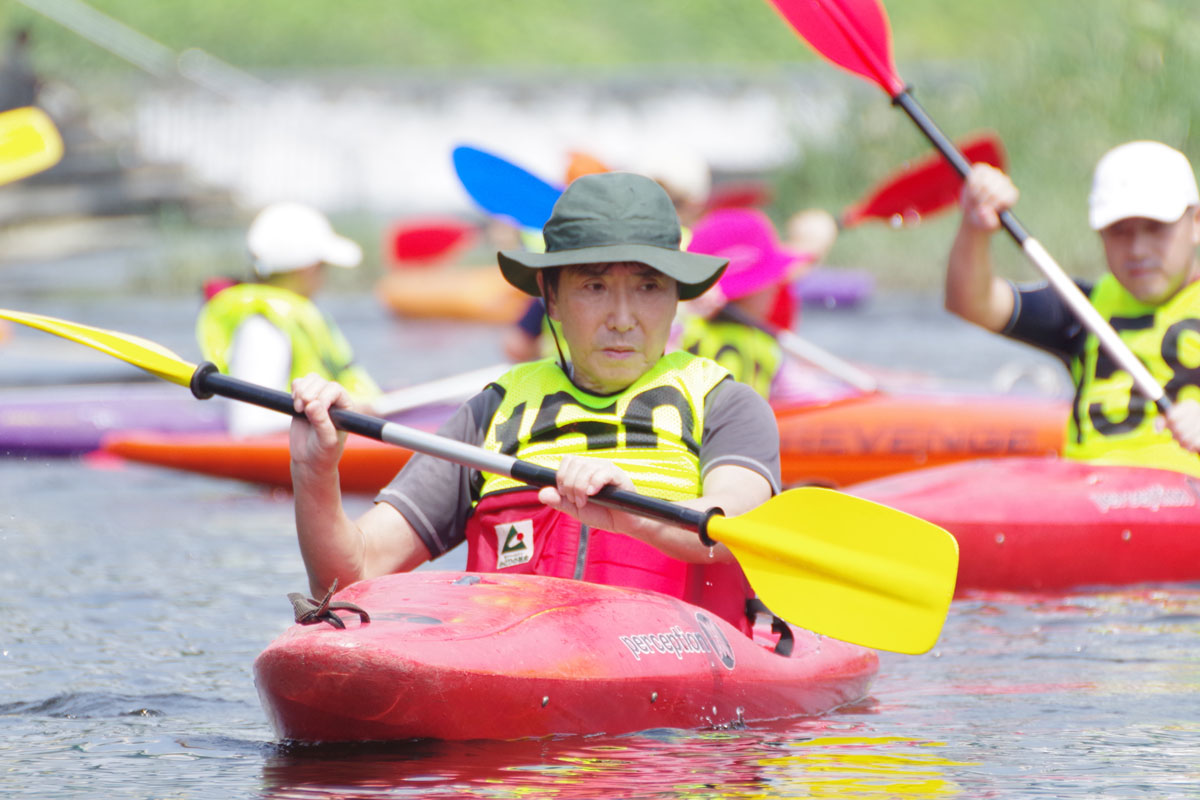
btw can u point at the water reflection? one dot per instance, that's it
(786, 761)
(137, 600)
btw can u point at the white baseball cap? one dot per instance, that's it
(290, 236)
(684, 174)
(1141, 179)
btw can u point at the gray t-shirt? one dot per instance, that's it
(436, 498)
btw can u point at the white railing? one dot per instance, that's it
(389, 150)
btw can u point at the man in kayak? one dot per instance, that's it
(269, 331)
(620, 413)
(1145, 205)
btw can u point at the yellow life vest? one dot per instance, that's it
(651, 430)
(317, 344)
(1111, 422)
(752, 356)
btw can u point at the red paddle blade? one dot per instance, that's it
(738, 194)
(854, 34)
(923, 188)
(427, 241)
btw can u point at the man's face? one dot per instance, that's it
(615, 318)
(1153, 260)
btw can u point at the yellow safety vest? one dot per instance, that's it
(1111, 422)
(752, 356)
(651, 430)
(317, 344)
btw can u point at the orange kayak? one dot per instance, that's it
(834, 444)
(480, 294)
(366, 465)
(869, 436)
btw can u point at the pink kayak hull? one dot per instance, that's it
(459, 656)
(1049, 524)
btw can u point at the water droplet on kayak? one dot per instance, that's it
(1126, 535)
(545, 701)
(654, 697)
(999, 538)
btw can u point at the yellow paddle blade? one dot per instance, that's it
(853, 569)
(154, 358)
(29, 143)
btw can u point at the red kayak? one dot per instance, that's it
(450, 655)
(1050, 524)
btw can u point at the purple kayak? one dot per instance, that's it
(69, 420)
(834, 288)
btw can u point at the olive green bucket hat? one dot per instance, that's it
(610, 217)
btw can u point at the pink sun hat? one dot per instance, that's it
(747, 238)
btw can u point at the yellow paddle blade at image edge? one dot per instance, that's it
(29, 143)
(154, 358)
(846, 567)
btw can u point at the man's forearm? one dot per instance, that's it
(973, 291)
(685, 544)
(331, 544)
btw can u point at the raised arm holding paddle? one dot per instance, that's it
(1145, 207)
(855, 35)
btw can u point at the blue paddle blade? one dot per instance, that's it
(503, 189)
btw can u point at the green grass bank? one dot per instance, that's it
(1060, 81)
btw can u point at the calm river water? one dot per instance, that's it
(136, 599)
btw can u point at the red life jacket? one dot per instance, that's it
(510, 531)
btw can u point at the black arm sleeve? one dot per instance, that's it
(1041, 318)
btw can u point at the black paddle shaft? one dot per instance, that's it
(952, 154)
(207, 381)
